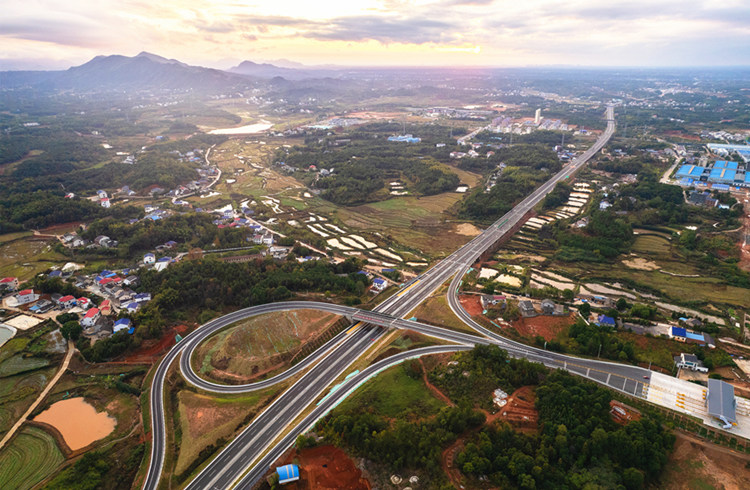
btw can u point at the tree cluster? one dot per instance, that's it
(579, 446)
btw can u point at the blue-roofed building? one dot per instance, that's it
(678, 333)
(721, 402)
(55, 274)
(605, 320)
(121, 324)
(287, 473)
(726, 164)
(720, 174)
(720, 187)
(689, 171)
(379, 284)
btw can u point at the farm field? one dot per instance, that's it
(260, 344)
(414, 222)
(30, 457)
(24, 258)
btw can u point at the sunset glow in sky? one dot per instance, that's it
(55, 34)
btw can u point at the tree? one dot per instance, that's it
(585, 310)
(71, 330)
(622, 304)
(632, 478)
(568, 294)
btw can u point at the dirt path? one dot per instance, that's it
(434, 389)
(42, 395)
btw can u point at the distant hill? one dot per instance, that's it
(290, 70)
(145, 71)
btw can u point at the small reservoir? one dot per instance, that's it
(78, 422)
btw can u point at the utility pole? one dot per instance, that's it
(600, 350)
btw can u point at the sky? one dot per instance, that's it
(52, 34)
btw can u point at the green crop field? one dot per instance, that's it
(652, 244)
(32, 456)
(19, 364)
(393, 394)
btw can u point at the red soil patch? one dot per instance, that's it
(325, 468)
(472, 304)
(623, 414)
(519, 411)
(547, 326)
(51, 230)
(152, 349)
(685, 136)
(202, 419)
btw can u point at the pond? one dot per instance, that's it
(78, 422)
(6, 333)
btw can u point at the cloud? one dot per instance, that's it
(68, 33)
(410, 30)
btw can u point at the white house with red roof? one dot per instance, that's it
(68, 301)
(83, 302)
(26, 296)
(91, 317)
(9, 283)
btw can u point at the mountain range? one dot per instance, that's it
(147, 71)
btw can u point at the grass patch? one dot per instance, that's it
(25, 258)
(393, 394)
(31, 456)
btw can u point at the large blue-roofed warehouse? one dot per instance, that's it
(288, 473)
(720, 172)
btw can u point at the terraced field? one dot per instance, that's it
(19, 364)
(31, 456)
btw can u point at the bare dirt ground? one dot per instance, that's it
(326, 468)
(641, 264)
(151, 350)
(202, 417)
(698, 464)
(625, 414)
(467, 229)
(519, 411)
(472, 304)
(548, 327)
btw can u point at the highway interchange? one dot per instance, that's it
(247, 458)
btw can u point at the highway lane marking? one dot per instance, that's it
(268, 412)
(408, 287)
